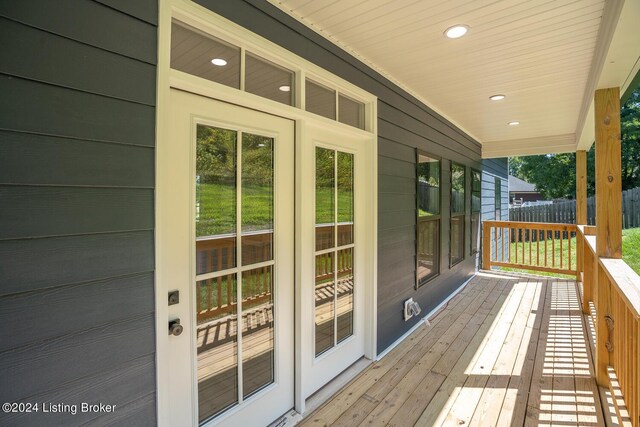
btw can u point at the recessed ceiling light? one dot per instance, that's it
(219, 62)
(456, 31)
(285, 88)
(514, 123)
(497, 97)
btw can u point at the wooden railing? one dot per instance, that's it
(216, 297)
(611, 295)
(530, 246)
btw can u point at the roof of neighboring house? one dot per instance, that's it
(517, 185)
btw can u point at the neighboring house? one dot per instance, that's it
(521, 191)
(210, 211)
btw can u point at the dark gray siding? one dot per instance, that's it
(404, 124)
(77, 136)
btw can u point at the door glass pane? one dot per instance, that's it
(257, 330)
(324, 302)
(344, 304)
(217, 345)
(428, 249)
(320, 100)
(351, 112)
(257, 199)
(269, 80)
(204, 56)
(215, 199)
(345, 198)
(325, 198)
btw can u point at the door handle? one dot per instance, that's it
(175, 328)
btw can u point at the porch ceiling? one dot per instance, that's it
(546, 56)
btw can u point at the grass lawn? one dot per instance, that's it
(217, 208)
(631, 248)
(630, 253)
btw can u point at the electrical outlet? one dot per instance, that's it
(411, 308)
(407, 309)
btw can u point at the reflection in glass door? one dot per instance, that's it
(334, 251)
(234, 270)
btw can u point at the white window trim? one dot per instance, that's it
(205, 20)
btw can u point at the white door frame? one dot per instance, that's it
(314, 372)
(209, 22)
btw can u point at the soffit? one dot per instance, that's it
(539, 53)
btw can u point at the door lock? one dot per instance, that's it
(175, 328)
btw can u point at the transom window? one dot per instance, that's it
(203, 55)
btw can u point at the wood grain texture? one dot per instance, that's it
(33, 264)
(73, 162)
(61, 360)
(73, 64)
(71, 309)
(121, 387)
(38, 211)
(77, 161)
(581, 187)
(85, 21)
(40, 108)
(507, 350)
(608, 173)
(145, 10)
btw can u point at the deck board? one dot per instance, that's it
(508, 350)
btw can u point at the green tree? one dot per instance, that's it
(554, 175)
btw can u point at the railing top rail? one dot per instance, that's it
(591, 241)
(626, 282)
(587, 230)
(533, 225)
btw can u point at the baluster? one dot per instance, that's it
(538, 248)
(561, 239)
(530, 245)
(553, 248)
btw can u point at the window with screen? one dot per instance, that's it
(428, 219)
(476, 199)
(457, 213)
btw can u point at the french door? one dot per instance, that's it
(226, 237)
(336, 217)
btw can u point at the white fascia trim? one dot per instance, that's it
(608, 25)
(530, 146)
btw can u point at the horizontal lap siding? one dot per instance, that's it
(404, 124)
(77, 136)
(492, 169)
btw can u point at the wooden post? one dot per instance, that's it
(581, 187)
(608, 212)
(486, 245)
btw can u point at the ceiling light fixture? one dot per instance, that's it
(456, 31)
(219, 62)
(497, 97)
(285, 88)
(514, 123)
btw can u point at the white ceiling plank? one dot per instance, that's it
(540, 53)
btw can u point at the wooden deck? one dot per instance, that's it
(507, 351)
